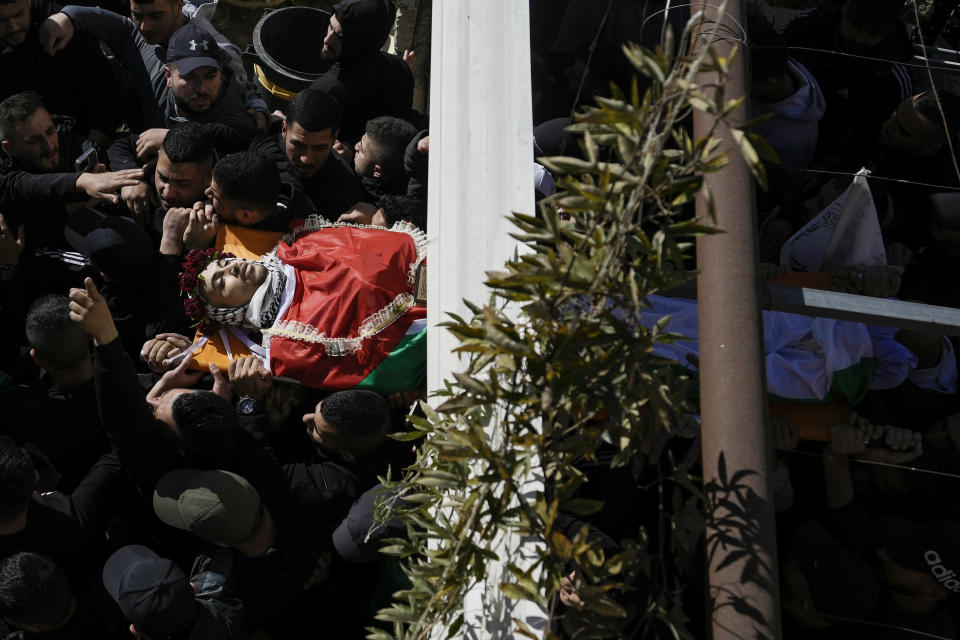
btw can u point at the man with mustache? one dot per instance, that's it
(37, 177)
(184, 81)
(304, 152)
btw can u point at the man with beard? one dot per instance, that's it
(180, 178)
(186, 81)
(158, 20)
(367, 82)
(859, 92)
(304, 152)
(37, 177)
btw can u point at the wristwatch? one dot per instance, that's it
(247, 405)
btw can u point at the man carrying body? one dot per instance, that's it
(180, 178)
(380, 155)
(158, 20)
(37, 179)
(184, 81)
(367, 82)
(304, 153)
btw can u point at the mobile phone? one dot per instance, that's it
(86, 162)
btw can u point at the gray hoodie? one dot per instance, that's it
(145, 62)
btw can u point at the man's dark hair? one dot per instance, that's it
(248, 178)
(360, 418)
(396, 208)
(390, 138)
(188, 142)
(926, 104)
(17, 108)
(58, 340)
(314, 110)
(17, 478)
(768, 49)
(205, 420)
(33, 590)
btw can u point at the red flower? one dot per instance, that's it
(193, 265)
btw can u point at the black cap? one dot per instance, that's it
(356, 539)
(191, 47)
(153, 593)
(116, 245)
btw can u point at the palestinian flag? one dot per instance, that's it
(807, 359)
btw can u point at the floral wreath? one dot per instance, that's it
(194, 305)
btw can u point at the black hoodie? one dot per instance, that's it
(367, 82)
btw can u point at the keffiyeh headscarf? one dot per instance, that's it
(264, 306)
(260, 312)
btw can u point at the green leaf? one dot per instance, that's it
(566, 164)
(407, 436)
(746, 149)
(582, 506)
(516, 592)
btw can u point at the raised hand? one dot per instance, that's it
(201, 228)
(55, 33)
(178, 378)
(249, 377)
(159, 352)
(148, 143)
(139, 199)
(90, 311)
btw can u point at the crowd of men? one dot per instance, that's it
(139, 496)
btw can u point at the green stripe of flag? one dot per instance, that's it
(404, 369)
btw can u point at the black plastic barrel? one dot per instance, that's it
(288, 47)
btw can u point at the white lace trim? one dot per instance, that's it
(371, 326)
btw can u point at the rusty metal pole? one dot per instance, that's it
(741, 546)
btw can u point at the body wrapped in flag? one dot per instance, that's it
(334, 304)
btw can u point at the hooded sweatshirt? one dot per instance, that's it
(792, 128)
(367, 82)
(368, 23)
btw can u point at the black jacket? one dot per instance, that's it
(62, 423)
(147, 452)
(367, 82)
(332, 189)
(77, 81)
(68, 528)
(37, 200)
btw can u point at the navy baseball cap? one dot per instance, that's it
(191, 48)
(357, 538)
